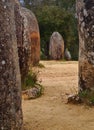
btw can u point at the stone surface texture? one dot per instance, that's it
(56, 46)
(10, 82)
(23, 51)
(67, 54)
(31, 36)
(28, 38)
(85, 13)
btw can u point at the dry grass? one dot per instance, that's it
(49, 112)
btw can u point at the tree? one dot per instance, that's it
(85, 13)
(57, 15)
(54, 18)
(10, 82)
(67, 4)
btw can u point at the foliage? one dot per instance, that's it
(40, 65)
(87, 96)
(56, 15)
(67, 4)
(31, 81)
(43, 56)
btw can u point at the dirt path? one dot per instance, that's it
(49, 112)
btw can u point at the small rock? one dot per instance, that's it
(67, 55)
(31, 93)
(75, 99)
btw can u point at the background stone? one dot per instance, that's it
(56, 47)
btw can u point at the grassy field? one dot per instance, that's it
(50, 111)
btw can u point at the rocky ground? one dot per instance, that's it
(50, 111)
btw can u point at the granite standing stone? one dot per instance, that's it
(56, 47)
(28, 38)
(85, 13)
(31, 35)
(10, 81)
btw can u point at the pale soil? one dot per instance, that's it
(49, 112)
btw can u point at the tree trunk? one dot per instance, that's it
(85, 12)
(10, 82)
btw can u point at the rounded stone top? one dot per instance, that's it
(30, 16)
(56, 46)
(56, 36)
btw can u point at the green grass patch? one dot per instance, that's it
(87, 96)
(40, 65)
(31, 81)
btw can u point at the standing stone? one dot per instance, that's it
(28, 38)
(10, 82)
(23, 49)
(85, 12)
(56, 47)
(31, 37)
(67, 54)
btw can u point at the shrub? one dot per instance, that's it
(31, 81)
(87, 96)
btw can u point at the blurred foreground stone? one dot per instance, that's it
(10, 80)
(85, 12)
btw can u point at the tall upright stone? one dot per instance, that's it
(85, 12)
(23, 49)
(31, 36)
(28, 38)
(10, 82)
(56, 47)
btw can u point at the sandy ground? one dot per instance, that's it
(50, 112)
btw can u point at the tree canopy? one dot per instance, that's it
(56, 15)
